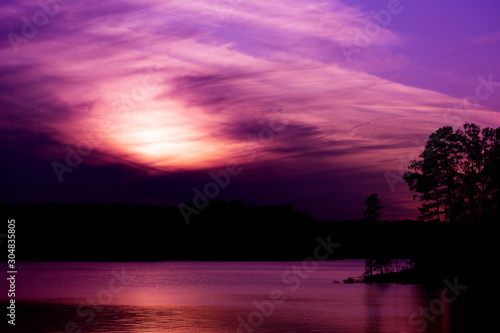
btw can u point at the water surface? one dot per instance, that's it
(219, 297)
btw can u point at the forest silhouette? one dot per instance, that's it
(456, 180)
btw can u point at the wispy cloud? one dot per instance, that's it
(473, 43)
(216, 82)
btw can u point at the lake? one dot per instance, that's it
(222, 297)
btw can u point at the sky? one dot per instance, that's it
(312, 103)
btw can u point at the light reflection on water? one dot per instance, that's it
(215, 297)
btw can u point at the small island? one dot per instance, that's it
(389, 271)
(404, 271)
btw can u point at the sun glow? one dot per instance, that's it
(167, 138)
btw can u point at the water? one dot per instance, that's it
(219, 297)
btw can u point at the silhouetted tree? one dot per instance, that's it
(434, 175)
(383, 265)
(369, 266)
(457, 177)
(372, 212)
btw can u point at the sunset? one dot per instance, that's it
(313, 105)
(169, 88)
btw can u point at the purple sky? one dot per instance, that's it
(319, 103)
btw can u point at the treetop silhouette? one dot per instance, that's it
(458, 175)
(372, 212)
